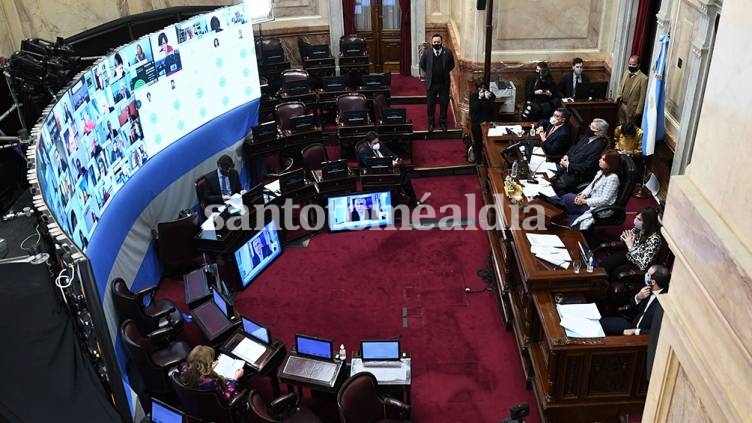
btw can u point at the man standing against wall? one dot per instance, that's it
(632, 91)
(437, 63)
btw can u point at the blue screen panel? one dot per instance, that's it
(380, 350)
(255, 330)
(313, 347)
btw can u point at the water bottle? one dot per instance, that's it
(532, 130)
(590, 264)
(515, 167)
(342, 352)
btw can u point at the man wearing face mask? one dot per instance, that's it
(437, 63)
(374, 148)
(554, 133)
(580, 164)
(632, 91)
(570, 81)
(641, 308)
(221, 183)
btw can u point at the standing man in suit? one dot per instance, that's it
(640, 309)
(437, 63)
(580, 163)
(374, 148)
(554, 133)
(481, 110)
(569, 82)
(632, 91)
(220, 184)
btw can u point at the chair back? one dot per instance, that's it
(204, 404)
(575, 126)
(271, 50)
(379, 104)
(199, 187)
(139, 350)
(628, 175)
(176, 244)
(289, 75)
(128, 306)
(358, 400)
(352, 101)
(259, 410)
(352, 45)
(313, 155)
(287, 111)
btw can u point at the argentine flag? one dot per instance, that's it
(652, 116)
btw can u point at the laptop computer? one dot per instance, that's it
(394, 116)
(222, 303)
(354, 117)
(334, 83)
(291, 180)
(250, 343)
(379, 164)
(266, 131)
(334, 169)
(297, 87)
(313, 359)
(163, 413)
(303, 123)
(591, 90)
(380, 353)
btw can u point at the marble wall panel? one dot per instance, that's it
(295, 8)
(684, 25)
(7, 45)
(50, 19)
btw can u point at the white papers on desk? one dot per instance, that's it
(544, 240)
(274, 187)
(384, 375)
(235, 203)
(208, 231)
(227, 366)
(249, 351)
(580, 320)
(550, 249)
(538, 164)
(538, 151)
(542, 187)
(498, 131)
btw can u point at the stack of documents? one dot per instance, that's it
(227, 366)
(549, 248)
(249, 351)
(580, 320)
(538, 164)
(542, 187)
(235, 202)
(498, 131)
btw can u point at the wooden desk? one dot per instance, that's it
(591, 109)
(343, 185)
(494, 145)
(267, 365)
(576, 380)
(400, 387)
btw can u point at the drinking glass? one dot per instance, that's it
(577, 264)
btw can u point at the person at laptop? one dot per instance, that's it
(580, 163)
(642, 242)
(221, 183)
(260, 251)
(600, 192)
(374, 148)
(554, 133)
(198, 372)
(641, 308)
(361, 211)
(569, 82)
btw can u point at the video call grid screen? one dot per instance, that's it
(134, 103)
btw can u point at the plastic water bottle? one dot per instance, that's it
(515, 167)
(342, 352)
(590, 264)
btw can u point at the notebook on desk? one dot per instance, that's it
(394, 116)
(314, 360)
(334, 169)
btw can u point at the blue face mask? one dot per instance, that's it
(648, 279)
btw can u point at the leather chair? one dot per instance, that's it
(379, 104)
(271, 50)
(284, 408)
(289, 75)
(207, 405)
(147, 318)
(359, 402)
(348, 102)
(176, 244)
(313, 155)
(352, 45)
(199, 187)
(287, 111)
(616, 214)
(153, 364)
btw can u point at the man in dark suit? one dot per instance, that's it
(554, 133)
(374, 148)
(481, 110)
(220, 184)
(361, 211)
(580, 164)
(642, 308)
(260, 251)
(571, 80)
(437, 63)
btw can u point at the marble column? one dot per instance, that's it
(417, 32)
(627, 15)
(336, 28)
(698, 65)
(11, 33)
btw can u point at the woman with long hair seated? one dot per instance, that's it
(642, 242)
(198, 372)
(600, 192)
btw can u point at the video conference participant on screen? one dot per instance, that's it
(260, 250)
(374, 148)
(361, 210)
(221, 183)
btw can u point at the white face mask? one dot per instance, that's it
(648, 279)
(553, 120)
(376, 147)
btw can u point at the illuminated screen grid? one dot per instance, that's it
(136, 102)
(360, 211)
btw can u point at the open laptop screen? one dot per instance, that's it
(380, 350)
(220, 301)
(313, 347)
(255, 330)
(163, 413)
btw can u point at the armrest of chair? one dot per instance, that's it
(161, 337)
(146, 292)
(609, 212)
(609, 245)
(395, 409)
(284, 404)
(239, 398)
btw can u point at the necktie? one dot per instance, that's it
(225, 186)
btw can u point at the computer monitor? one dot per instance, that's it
(303, 123)
(595, 90)
(394, 116)
(221, 302)
(334, 83)
(379, 350)
(298, 87)
(359, 211)
(354, 117)
(163, 413)
(291, 180)
(255, 255)
(256, 331)
(373, 80)
(334, 169)
(309, 346)
(266, 131)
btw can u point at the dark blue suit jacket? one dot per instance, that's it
(565, 85)
(558, 142)
(649, 313)
(584, 156)
(212, 190)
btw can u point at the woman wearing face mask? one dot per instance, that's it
(600, 192)
(642, 242)
(541, 94)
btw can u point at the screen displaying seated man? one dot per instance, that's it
(360, 211)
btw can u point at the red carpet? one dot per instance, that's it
(439, 152)
(446, 191)
(407, 86)
(419, 115)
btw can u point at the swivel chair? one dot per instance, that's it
(313, 155)
(176, 244)
(207, 404)
(617, 212)
(281, 409)
(158, 314)
(359, 402)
